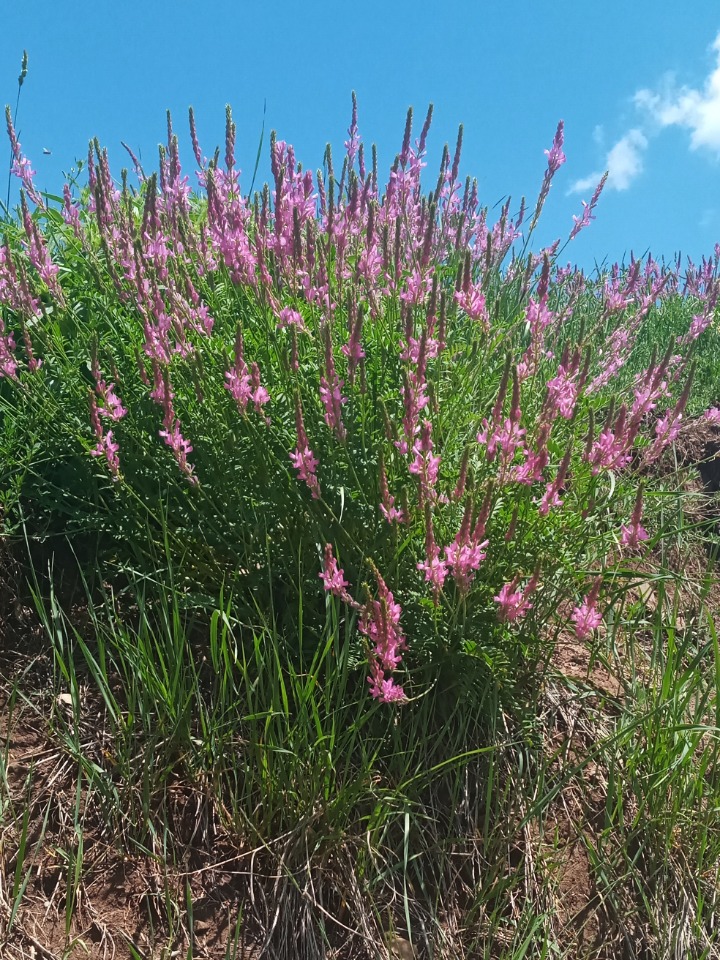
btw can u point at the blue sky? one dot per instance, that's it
(637, 85)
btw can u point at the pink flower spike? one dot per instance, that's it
(387, 691)
(330, 391)
(426, 464)
(433, 565)
(172, 435)
(333, 577)
(698, 326)
(291, 318)
(388, 509)
(631, 535)
(586, 616)
(667, 429)
(106, 447)
(113, 408)
(587, 215)
(513, 602)
(472, 303)
(259, 394)
(95, 418)
(380, 623)
(435, 569)
(8, 363)
(238, 384)
(555, 155)
(305, 462)
(464, 558)
(351, 145)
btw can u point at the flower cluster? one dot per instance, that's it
(109, 408)
(424, 370)
(379, 622)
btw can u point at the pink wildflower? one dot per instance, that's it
(106, 447)
(666, 432)
(352, 144)
(330, 391)
(555, 155)
(586, 616)
(172, 435)
(303, 459)
(238, 379)
(392, 513)
(380, 623)
(239, 384)
(111, 408)
(510, 601)
(388, 509)
(562, 393)
(608, 452)
(417, 350)
(426, 464)
(668, 427)
(631, 534)
(472, 302)
(291, 318)
(464, 559)
(587, 214)
(259, 394)
(550, 499)
(353, 349)
(21, 167)
(95, 418)
(435, 569)
(8, 363)
(465, 554)
(532, 470)
(506, 436)
(333, 577)
(698, 326)
(551, 496)
(514, 603)
(417, 287)
(332, 399)
(414, 400)
(382, 689)
(556, 158)
(305, 462)
(71, 211)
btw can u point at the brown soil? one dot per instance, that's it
(123, 899)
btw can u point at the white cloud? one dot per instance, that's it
(697, 110)
(585, 183)
(623, 163)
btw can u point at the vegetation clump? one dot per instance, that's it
(341, 442)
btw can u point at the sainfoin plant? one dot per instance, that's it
(336, 392)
